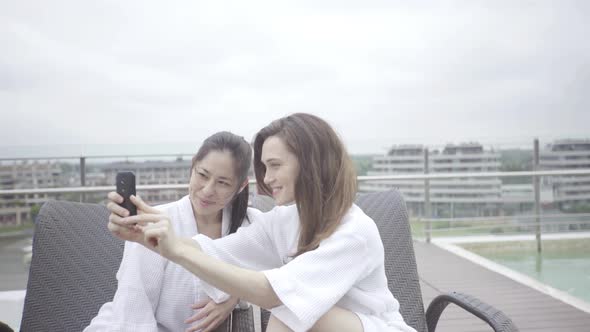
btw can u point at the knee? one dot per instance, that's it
(338, 319)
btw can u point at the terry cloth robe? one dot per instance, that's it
(153, 293)
(346, 270)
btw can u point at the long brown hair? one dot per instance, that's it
(326, 185)
(242, 155)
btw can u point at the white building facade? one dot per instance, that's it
(569, 154)
(449, 197)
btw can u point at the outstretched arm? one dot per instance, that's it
(158, 235)
(246, 284)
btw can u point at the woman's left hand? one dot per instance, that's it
(211, 314)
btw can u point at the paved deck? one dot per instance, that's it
(531, 310)
(13, 272)
(13, 278)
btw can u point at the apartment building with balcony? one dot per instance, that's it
(15, 209)
(449, 197)
(567, 154)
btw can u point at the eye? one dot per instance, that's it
(225, 184)
(202, 175)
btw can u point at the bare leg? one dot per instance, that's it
(275, 325)
(337, 319)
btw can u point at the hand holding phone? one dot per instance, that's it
(126, 188)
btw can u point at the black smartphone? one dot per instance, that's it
(126, 188)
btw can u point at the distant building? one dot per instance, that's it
(153, 173)
(14, 209)
(520, 198)
(567, 154)
(450, 197)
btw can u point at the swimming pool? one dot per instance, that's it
(563, 264)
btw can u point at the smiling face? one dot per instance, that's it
(282, 170)
(213, 183)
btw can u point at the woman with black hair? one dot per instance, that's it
(154, 294)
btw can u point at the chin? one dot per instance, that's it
(201, 209)
(282, 201)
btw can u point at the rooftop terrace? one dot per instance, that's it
(440, 270)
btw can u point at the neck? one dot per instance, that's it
(208, 220)
(210, 225)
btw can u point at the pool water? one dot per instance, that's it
(563, 264)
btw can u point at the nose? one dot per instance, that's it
(209, 188)
(268, 178)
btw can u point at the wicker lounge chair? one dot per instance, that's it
(75, 260)
(72, 273)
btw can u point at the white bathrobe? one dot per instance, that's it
(346, 270)
(154, 294)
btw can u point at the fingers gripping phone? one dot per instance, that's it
(126, 188)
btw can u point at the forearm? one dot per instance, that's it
(248, 285)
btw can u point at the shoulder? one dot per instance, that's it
(359, 234)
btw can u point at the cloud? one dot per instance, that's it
(381, 72)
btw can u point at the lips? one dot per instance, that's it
(275, 191)
(205, 203)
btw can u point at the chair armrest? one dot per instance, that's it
(492, 316)
(5, 328)
(242, 320)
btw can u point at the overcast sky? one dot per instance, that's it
(381, 72)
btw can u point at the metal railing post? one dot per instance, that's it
(427, 207)
(537, 188)
(82, 177)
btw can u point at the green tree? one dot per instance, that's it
(362, 163)
(516, 160)
(35, 208)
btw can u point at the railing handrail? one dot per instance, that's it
(477, 225)
(125, 156)
(93, 189)
(362, 178)
(480, 227)
(430, 176)
(504, 218)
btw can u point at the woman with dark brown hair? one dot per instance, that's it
(315, 261)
